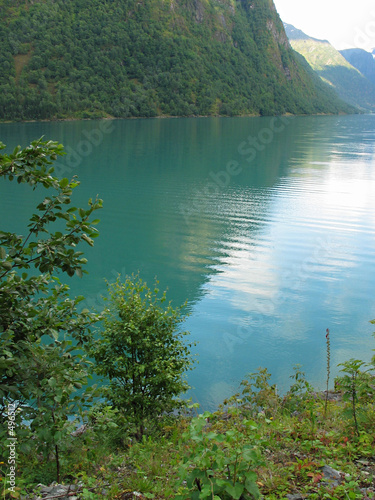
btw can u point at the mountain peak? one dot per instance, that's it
(294, 33)
(362, 60)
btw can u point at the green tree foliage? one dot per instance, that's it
(141, 353)
(69, 58)
(38, 320)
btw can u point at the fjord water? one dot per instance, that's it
(266, 227)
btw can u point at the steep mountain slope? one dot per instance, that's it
(333, 68)
(362, 60)
(92, 58)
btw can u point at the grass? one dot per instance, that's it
(20, 61)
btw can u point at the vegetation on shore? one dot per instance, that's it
(133, 437)
(130, 58)
(256, 445)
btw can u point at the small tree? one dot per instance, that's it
(357, 387)
(39, 376)
(55, 375)
(141, 352)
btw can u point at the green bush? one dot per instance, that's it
(141, 353)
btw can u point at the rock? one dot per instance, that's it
(59, 491)
(362, 462)
(332, 395)
(368, 493)
(80, 430)
(297, 496)
(331, 476)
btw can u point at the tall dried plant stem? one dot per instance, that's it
(328, 343)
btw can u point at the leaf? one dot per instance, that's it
(52, 382)
(221, 482)
(211, 435)
(206, 491)
(3, 253)
(54, 333)
(252, 488)
(235, 491)
(7, 265)
(87, 239)
(64, 182)
(251, 477)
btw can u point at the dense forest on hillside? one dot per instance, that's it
(144, 58)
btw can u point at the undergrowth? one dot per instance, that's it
(258, 444)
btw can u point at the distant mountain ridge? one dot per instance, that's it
(362, 60)
(350, 84)
(145, 58)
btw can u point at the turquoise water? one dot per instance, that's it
(265, 225)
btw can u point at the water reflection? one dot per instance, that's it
(270, 248)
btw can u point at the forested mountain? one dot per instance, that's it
(349, 83)
(124, 58)
(362, 60)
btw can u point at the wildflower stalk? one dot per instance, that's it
(328, 343)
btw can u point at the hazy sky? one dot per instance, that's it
(344, 23)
